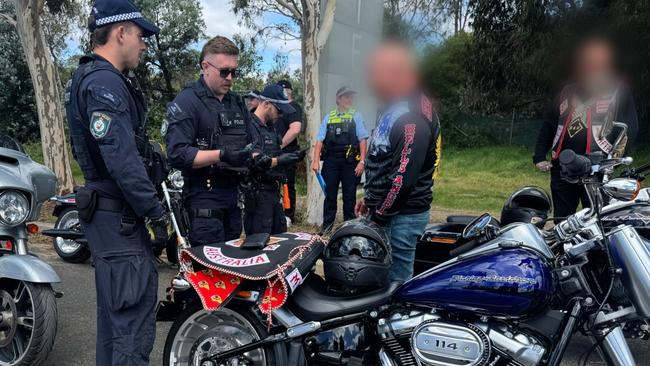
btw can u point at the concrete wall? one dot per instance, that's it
(357, 29)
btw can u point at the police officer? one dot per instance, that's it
(207, 138)
(581, 119)
(343, 137)
(252, 101)
(106, 116)
(262, 209)
(288, 127)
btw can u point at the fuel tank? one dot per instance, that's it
(635, 214)
(508, 276)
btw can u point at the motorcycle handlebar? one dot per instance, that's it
(574, 166)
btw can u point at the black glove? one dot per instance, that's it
(159, 228)
(235, 158)
(288, 159)
(302, 154)
(262, 163)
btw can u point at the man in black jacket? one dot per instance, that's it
(581, 119)
(402, 156)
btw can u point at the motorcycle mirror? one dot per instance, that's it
(624, 189)
(477, 226)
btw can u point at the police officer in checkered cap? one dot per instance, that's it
(106, 115)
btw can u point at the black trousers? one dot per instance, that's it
(291, 185)
(263, 213)
(566, 196)
(338, 171)
(209, 230)
(126, 279)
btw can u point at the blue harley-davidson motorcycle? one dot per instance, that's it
(515, 296)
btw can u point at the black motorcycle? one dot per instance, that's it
(68, 237)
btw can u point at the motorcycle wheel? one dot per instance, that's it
(197, 333)
(69, 250)
(29, 321)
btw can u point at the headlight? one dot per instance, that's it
(14, 208)
(176, 179)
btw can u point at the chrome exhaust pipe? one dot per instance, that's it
(631, 254)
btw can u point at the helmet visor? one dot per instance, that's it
(360, 246)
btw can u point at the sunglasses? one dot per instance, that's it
(225, 71)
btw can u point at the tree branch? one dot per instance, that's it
(292, 9)
(326, 25)
(8, 18)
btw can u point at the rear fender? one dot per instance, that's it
(27, 268)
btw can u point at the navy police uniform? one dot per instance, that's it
(197, 120)
(106, 116)
(263, 212)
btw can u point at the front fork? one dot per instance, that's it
(614, 349)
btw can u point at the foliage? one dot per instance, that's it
(444, 67)
(17, 103)
(424, 21)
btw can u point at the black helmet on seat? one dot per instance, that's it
(357, 258)
(528, 204)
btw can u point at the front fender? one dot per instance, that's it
(27, 268)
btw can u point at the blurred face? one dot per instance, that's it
(132, 46)
(392, 73)
(345, 102)
(216, 73)
(288, 93)
(595, 64)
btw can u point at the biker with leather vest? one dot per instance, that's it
(581, 119)
(341, 143)
(208, 140)
(263, 212)
(107, 117)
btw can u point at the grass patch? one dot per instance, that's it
(480, 179)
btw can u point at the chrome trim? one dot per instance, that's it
(302, 329)
(615, 350)
(384, 359)
(631, 254)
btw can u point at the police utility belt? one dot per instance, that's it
(89, 201)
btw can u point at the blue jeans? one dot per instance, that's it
(404, 231)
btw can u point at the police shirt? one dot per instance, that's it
(104, 112)
(283, 123)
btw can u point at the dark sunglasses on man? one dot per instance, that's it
(224, 72)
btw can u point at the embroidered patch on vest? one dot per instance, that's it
(99, 124)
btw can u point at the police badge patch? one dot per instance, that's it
(99, 124)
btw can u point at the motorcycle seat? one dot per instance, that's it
(312, 302)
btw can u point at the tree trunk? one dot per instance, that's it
(47, 91)
(310, 58)
(315, 29)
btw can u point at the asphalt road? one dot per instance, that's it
(75, 341)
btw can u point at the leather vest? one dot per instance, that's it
(85, 148)
(341, 133)
(598, 113)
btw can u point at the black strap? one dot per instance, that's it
(207, 213)
(109, 204)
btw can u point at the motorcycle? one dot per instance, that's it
(28, 313)
(513, 295)
(68, 237)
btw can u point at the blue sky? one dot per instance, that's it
(220, 20)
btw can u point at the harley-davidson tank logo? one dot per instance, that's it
(632, 217)
(494, 279)
(216, 256)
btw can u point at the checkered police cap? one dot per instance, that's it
(107, 12)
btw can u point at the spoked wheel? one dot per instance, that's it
(28, 324)
(197, 333)
(68, 249)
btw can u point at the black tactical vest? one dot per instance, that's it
(85, 148)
